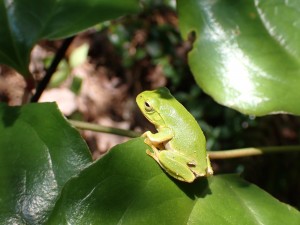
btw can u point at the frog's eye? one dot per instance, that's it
(148, 107)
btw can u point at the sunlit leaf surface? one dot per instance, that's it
(247, 53)
(39, 153)
(128, 187)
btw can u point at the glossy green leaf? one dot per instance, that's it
(39, 153)
(246, 54)
(128, 187)
(24, 23)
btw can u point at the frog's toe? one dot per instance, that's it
(152, 154)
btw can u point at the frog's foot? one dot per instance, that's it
(147, 141)
(153, 153)
(209, 170)
(150, 154)
(145, 134)
(177, 165)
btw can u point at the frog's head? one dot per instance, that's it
(151, 103)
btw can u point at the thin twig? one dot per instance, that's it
(58, 57)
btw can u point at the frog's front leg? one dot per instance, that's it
(174, 163)
(158, 139)
(163, 135)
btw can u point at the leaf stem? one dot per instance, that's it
(104, 129)
(244, 152)
(225, 154)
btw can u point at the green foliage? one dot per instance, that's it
(246, 54)
(148, 196)
(49, 180)
(24, 23)
(39, 153)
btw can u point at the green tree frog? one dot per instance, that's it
(179, 146)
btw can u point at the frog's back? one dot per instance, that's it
(188, 135)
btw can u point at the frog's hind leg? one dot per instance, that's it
(175, 164)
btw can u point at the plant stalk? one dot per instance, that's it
(245, 152)
(221, 154)
(104, 129)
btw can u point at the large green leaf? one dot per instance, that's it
(247, 53)
(128, 187)
(47, 178)
(25, 22)
(39, 152)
